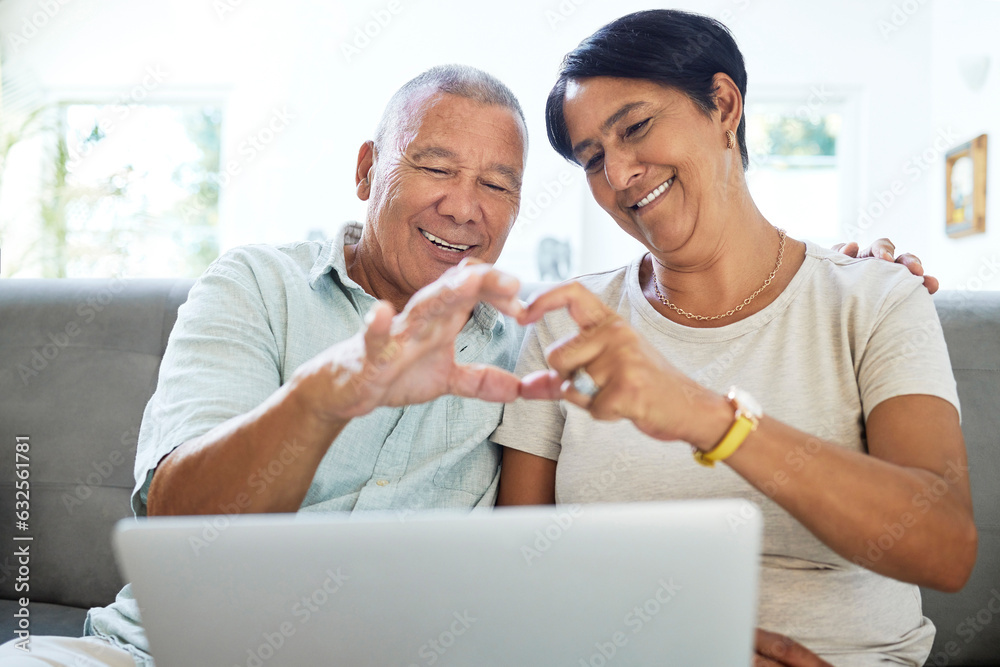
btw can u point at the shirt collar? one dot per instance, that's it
(331, 259)
(331, 256)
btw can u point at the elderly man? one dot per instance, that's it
(284, 382)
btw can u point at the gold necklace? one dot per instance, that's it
(746, 301)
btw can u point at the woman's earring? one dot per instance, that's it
(730, 139)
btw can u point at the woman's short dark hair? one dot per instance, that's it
(678, 49)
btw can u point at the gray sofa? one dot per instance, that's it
(79, 360)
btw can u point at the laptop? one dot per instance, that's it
(577, 585)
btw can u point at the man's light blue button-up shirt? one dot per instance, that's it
(250, 321)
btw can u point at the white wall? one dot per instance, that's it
(296, 56)
(966, 29)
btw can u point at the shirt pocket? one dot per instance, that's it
(471, 461)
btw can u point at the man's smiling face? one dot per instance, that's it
(444, 186)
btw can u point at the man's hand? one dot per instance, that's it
(884, 249)
(774, 650)
(396, 359)
(409, 357)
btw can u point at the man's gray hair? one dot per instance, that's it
(460, 80)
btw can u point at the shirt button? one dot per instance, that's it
(382, 482)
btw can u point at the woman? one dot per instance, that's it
(856, 441)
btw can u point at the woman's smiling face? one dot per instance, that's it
(654, 160)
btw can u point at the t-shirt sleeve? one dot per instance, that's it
(221, 361)
(906, 352)
(533, 426)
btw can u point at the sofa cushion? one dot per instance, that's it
(968, 622)
(46, 619)
(82, 408)
(80, 362)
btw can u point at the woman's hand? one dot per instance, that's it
(635, 382)
(774, 650)
(885, 249)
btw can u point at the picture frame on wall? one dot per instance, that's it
(965, 188)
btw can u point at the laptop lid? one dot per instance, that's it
(581, 585)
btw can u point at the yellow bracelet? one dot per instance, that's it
(744, 424)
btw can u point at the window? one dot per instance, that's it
(112, 190)
(799, 175)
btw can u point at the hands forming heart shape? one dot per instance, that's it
(408, 358)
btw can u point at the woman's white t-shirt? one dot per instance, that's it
(842, 337)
